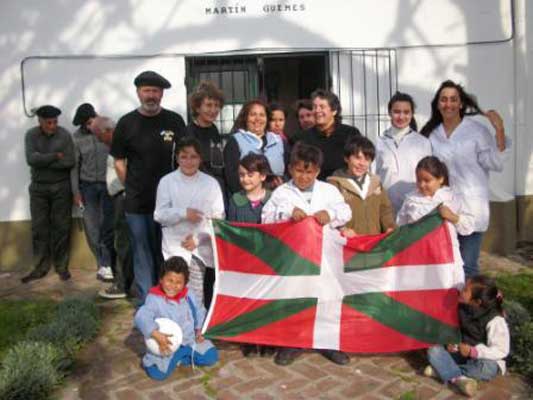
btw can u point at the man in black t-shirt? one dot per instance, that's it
(143, 148)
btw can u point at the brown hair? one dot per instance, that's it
(435, 167)
(205, 89)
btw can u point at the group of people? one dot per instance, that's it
(152, 183)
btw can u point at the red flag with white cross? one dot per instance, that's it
(304, 285)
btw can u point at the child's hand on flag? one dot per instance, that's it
(322, 217)
(298, 214)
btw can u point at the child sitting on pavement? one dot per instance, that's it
(171, 299)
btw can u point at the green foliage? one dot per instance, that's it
(75, 322)
(18, 316)
(522, 355)
(517, 287)
(29, 371)
(32, 368)
(516, 316)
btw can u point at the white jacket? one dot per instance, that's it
(498, 343)
(325, 197)
(177, 192)
(417, 205)
(396, 164)
(470, 153)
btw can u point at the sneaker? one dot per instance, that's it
(467, 386)
(430, 372)
(112, 292)
(337, 357)
(105, 274)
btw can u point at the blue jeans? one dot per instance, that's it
(470, 247)
(145, 242)
(451, 365)
(183, 356)
(98, 221)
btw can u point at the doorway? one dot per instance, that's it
(279, 78)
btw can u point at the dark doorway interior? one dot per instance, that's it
(280, 78)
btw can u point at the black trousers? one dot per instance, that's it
(51, 220)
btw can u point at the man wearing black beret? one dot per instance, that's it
(143, 148)
(50, 155)
(88, 180)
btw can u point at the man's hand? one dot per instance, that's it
(348, 232)
(322, 217)
(60, 155)
(77, 200)
(298, 214)
(199, 336)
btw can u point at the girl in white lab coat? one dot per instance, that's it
(399, 149)
(470, 152)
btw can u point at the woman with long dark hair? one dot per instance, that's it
(251, 135)
(470, 151)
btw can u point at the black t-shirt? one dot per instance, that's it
(332, 146)
(211, 141)
(147, 143)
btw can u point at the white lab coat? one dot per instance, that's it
(470, 153)
(396, 164)
(324, 197)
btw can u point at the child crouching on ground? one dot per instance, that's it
(299, 198)
(485, 339)
(171, 299)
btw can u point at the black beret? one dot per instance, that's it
(151, 78)
(83, 113)
(47, 111)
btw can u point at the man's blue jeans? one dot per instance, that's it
(470, 247)
(146, 245)
(451, 365)
(98, 221)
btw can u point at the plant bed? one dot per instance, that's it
(33, 366)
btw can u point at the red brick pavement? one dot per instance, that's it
(109, 368)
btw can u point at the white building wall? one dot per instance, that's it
(171, 29)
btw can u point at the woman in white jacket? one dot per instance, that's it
(186, 199)
(399, 149)
(470, 151)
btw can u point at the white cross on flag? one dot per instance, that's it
(301, 285)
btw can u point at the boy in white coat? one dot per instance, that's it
(299, 198)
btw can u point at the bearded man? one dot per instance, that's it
(143, 149)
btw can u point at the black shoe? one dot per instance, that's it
(286, 356)
(32, 276)
(248, 350)
(266, 351)
(338, 357)
(64, 276)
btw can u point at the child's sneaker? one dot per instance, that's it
(467, 386)
(430, 372)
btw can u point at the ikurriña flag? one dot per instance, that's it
(304, 285)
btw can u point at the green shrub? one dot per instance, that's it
(516, 315)
(29, 371)
(19, 316)
(522, 354)
(75, 322)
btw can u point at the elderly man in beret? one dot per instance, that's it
(50, 155)
(143, 148)
(88, 180)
